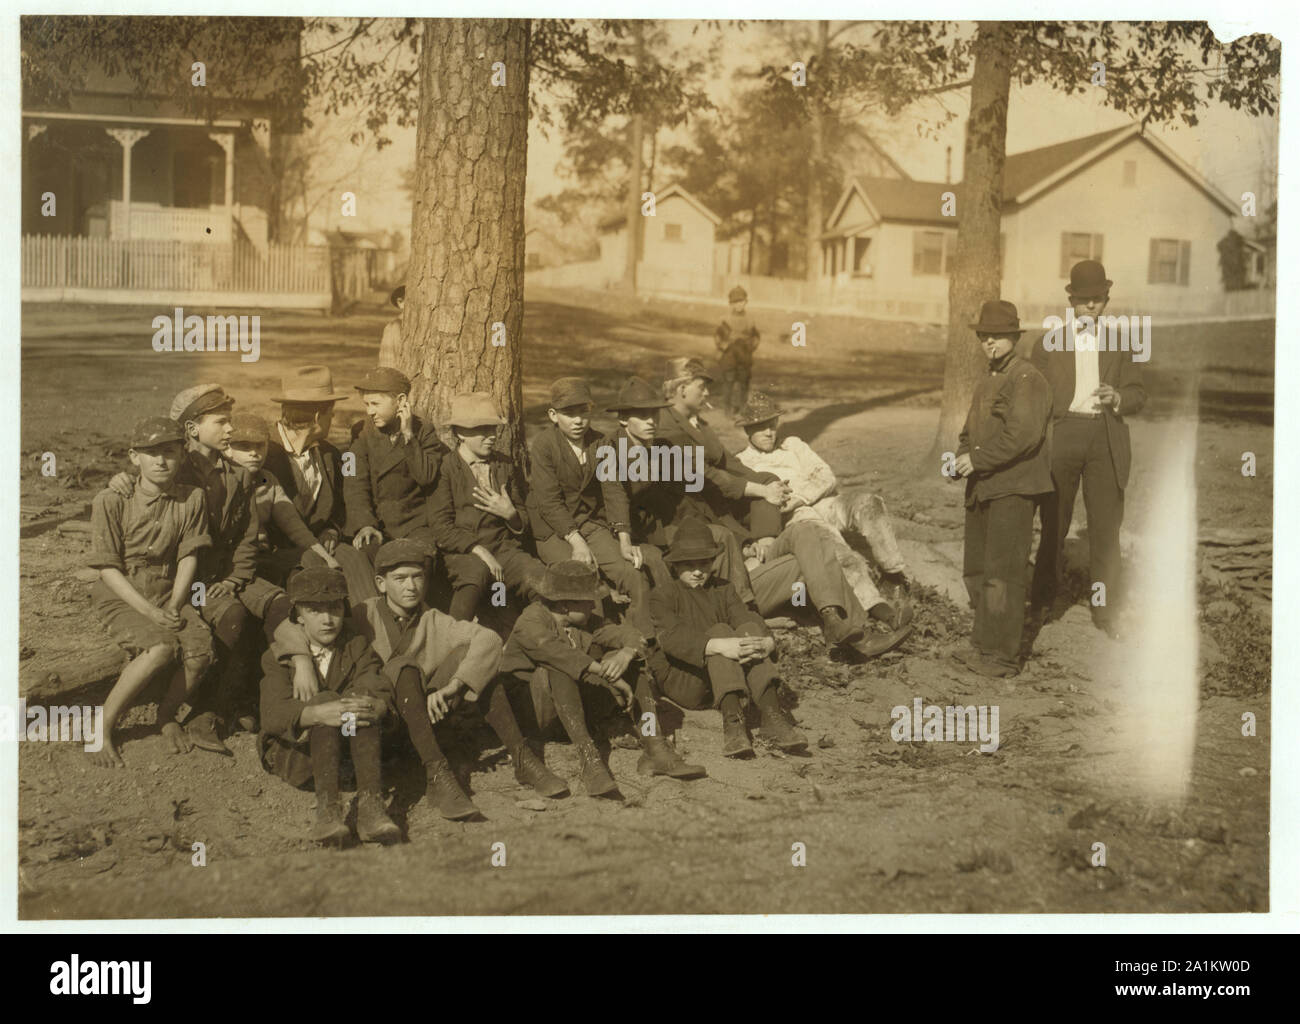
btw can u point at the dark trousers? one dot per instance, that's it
(470, 576)
(735, 387)
(359, 571)
(692, 687)
(999, 534)
(635, 583)
(1080, 450)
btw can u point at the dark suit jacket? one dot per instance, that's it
(233, 527)
(1114, 368)
(457, 525)
(536, 641)
(722, 499)
(644, 508)
(563, 494)
(1008, 434)
(326, 510)
(393, 481)
(683, 615)
(354, 669)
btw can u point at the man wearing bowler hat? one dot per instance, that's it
(1092, 392)
(1005, 455)
(309, 468)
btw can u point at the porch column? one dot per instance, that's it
(127, 138)
(226, 140)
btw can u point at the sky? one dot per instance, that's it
(1230, 148)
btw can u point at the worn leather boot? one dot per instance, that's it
(595, 776)
(879, 643)
(202, 731)
(329, 828)
(445, 793)
(373, 823)
(836, 629)
(659, 758)
(531, 770)
(735, 738)
(781, 733)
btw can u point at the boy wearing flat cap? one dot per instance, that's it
(475, 512)
(1004, 454)
(398, 457)
(712, 649)
(434, 662)
(566, 505)
(1093, 389)
(303, 726)
(146, 546)
(571, 662)
(737, 338)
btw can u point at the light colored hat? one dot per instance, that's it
(309, 384)
(197, 400)
(476, 409)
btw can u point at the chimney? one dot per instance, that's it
(947, 166)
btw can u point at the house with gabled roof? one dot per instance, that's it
(676, 245)
(1121, 196)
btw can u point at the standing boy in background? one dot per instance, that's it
(737, 338)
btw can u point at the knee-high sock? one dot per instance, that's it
(326, 746)
(413, 707)
(495, 706)
(365, 758)
(568, 704)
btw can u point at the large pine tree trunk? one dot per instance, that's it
(976, 276)
(467, 225)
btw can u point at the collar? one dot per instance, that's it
(318, 651)
(1000, 365)
(171, 493)
(404, 618)
(290, 447)
(469, 457)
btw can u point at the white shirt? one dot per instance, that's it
(1087, 375)
(581, 453)
(306, 466)
(322, 656)
(810, 478)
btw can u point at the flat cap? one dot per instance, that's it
(402, 551)
(567, 391)
(476, 409)
(156, 430)
(319, 585)
(387, 379)
(197, 400)
(245, 426)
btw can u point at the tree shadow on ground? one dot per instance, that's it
(813, 423)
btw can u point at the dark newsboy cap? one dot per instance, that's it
(318, 586)
(637, 396)
(154, 431)
(570, 580)
(387, 379)
(245, 426)
(567, 391)
(402, 551)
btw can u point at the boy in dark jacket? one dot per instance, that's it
(1005, 455)
(303, 727)
(714, 648)
(737, 338)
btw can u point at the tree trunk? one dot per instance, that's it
(467, 225)
(816, 149)
(635, 175)
(976, 275)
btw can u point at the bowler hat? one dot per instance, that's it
(737, 294)
(155, 430)
(197, 400)
(387, 379)
(636, 395)
(318, 584)
(570, 580)
(997, 316)
(1088, 281)
(402, 551)
(692, 541)
(567, 391)
(759, 409)
(476, 409)
(685, 367)
(399, 294)
(308, 384)
(244, 426)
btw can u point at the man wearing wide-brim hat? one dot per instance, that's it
(1004, 453)
(733, 495)
(713, 649)
(1092, 392)
(476, 511)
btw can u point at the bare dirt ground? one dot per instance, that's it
(887, 827)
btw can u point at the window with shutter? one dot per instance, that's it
(1184, 261)
(1076, 246)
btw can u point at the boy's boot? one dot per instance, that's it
(659, 758)
(836, 629)
(531, 770)
(595, 776)
(202, 730)
(445, 793)
(373, 823)
(776, 728)
(879, 643)
(329, 828)
(735, 737)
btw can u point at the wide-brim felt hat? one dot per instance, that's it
(309, 384)
(759, 409)
(570, 580)
(692, 541)
(1088, 280)
(997, 316)
(477, 409)
(635, 395)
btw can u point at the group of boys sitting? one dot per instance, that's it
(398, 581)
